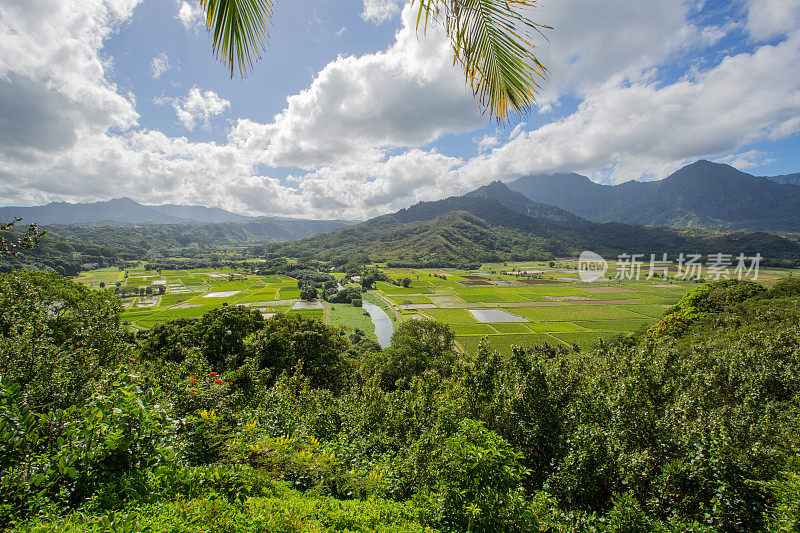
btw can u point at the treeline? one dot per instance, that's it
(230, 422)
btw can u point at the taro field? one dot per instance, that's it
(529, 304)
(501, 305)
(191, 293)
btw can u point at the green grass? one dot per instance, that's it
(613, 325)
(651, 310)
(587, 339)
(168, 300)
(409, 298)
(511, 327)
(569, 312)
(351, 317)
(488, 297)
(311, 313)
(472, 329)
(451, 316)
(553, 327)
(287, 293)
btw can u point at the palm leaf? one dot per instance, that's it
(239, 29)
(491, 40)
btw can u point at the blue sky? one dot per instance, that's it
(352, 113)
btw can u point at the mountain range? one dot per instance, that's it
(119, 211)
(493, 224)
(786, 179)
(700, 195)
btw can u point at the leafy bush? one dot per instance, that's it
(63, 458)
(477, 483)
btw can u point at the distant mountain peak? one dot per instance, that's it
(499, 191)
(703, 194)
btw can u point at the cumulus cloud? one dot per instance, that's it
(406, 96)
(647, 129)
(54, 84)
(486, 143)
(378, 11)
(159, 65)
(767, 19)
(362, 135)
(197, 106)
(191, 15)
(593, 43)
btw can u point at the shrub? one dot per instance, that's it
(477, 485)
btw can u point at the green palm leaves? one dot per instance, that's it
(239, 29)
(491, 40)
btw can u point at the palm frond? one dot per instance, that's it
(240, 29)
(492, 41)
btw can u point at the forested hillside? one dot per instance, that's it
(478, 227)
(66, 248)
(229, 422)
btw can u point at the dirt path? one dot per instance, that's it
(327, 311)
(391, 306)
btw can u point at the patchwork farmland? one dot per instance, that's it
(500, 305)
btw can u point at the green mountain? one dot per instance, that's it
(477, 227)
(66, 248)
(701, 195)
(497, 190)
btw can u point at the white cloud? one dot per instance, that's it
(627, 131)
(594, 42)
(486, 143)
(745, 160)
(159, 65)
(197, 106)
(191, 15)
(767, 19)
(378, 11)
(54, 84)
(362, 129)
(356, 106)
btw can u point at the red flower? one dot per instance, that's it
(216, 381)
(213, 374)
(194, 380)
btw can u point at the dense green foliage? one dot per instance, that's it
(230, 422)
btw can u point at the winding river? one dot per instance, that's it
(383, 324)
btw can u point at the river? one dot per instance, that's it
(383, 324)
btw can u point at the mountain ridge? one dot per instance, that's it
(463, 230)
(700, 195)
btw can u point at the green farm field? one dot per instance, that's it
(191, 293)
(554, 305)
(534, 302)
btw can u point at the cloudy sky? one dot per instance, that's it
(352, 113)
